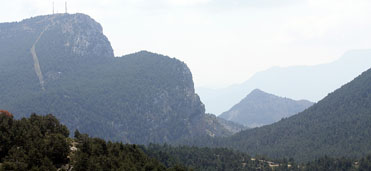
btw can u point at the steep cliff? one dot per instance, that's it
(63, 64)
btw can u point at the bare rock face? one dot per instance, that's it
(77, 32)
(58, 44)
(84, 36)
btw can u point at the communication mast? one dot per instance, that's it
(65, 7)
(53, 7)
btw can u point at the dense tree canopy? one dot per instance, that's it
(39, 142)
(205, 159)
(42, 143)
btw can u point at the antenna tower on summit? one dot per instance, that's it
(53, 7)
(65, 6)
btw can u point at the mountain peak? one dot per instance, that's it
(261, 108)
(145, 52)
(259, 94)
(55, 45)
(55, 19)
(257, 91)
(77, 32)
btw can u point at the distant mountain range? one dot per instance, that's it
(260, 108)
(297, 82)
(64, 65)
(338, 126)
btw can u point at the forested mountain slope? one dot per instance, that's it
(337, 126)
(63, 64)
(42, 143)
(260, 108)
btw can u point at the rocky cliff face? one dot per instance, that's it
(63, 64)
(78, 33)
(52, 46)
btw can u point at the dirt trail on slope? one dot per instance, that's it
(37, 64)
(36, 59)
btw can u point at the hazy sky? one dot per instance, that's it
(222, 41)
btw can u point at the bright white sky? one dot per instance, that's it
(223, 41)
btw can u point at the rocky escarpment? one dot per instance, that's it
(138, 98)
(57, 45)
(82, 35)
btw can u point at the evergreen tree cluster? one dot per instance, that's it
(204, 159)
(339, 164)
(42, 143)
(95, 154)
(36, 143)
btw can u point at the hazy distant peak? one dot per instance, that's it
(260, 108)
(257, 92)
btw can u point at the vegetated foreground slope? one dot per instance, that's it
(138, 98)
(339, 125)
(42, 143)
(260, 108)
(205, 159)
